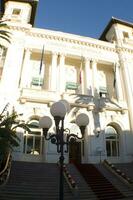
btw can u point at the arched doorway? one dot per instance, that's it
(33, 146)
(112, 141)
(75, 152)
(76, 149)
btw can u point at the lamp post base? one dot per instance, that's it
(61, 186)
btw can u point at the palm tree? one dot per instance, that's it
(8, 137)
(4, 34)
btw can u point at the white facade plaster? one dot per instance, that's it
(89, 56)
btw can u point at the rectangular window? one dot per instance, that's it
(125, 34)
(114, 148)
(37, 76)
(106, 81)
(108, 148)
(71, 78)
(16, 14)
(16, 11)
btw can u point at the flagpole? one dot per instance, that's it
(41, 65)
(114, 82)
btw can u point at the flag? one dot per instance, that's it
(41, 62)
(114, 82)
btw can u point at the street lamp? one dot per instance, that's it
(62, 137)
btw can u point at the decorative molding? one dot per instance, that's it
(59, 38)
(19, 28)
(29, 32)
(123, 49)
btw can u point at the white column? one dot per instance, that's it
(118, 85)
(61, 82)
(25, 81)
(81, 89)
(94, 77)
(88, 77)
(53, 80)
(128, 89)
(12, 67)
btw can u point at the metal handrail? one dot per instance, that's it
(120, 174)
(70, 181)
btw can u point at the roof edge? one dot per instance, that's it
(111, 22)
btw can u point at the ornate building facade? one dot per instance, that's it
(41, 66)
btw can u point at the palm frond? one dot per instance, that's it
(3, 24)
(5, 38)
(24, 126)
(4, 34)
(4, 109)
(8, 129)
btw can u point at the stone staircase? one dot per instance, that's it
(121, 186)
(101, 186)
(84, 191)
(39, 181)
(34, 181)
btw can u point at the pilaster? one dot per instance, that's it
(88, 76)
(128, 87)
(94, 77)
(53, 81)
(61, 82)
(26, 71)
(118, 85)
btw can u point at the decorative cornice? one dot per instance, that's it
(60, 38)
(19, 28)
(123, 49)
(79, 41)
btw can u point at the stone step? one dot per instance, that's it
(123, 188)
(102, 189)
(84, 191)
(29, 181)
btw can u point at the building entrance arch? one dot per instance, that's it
(112, 141)
(33, 145)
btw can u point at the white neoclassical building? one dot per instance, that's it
(93, 75)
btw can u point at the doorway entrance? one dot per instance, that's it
(75, 152)
(33, 143)
(33, 148)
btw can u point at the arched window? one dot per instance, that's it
(33, 141)
(34, 126)
(112, 141)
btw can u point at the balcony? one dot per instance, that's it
(38, 96)
(42, 96)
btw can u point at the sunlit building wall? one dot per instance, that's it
(41, 66)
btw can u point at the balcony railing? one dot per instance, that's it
(36, 95)
(43, 96)
(75, 99)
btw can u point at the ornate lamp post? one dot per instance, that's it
(62, 137)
